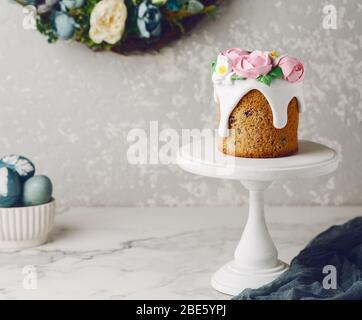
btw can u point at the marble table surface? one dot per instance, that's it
(152, 253)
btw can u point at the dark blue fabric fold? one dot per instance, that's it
(339, 246)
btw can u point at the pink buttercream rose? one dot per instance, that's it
(253, 65)
(293, 69)
(234, 54)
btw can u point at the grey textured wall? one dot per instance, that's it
(70, 109)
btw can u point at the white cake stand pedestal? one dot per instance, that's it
(256, 258)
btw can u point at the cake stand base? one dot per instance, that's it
(256, 260)
(232, 279)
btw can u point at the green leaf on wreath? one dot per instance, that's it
(45, 28)
(210, 11)
(178, 23)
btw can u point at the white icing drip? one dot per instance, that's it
(279, 94)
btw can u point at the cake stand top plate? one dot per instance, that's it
(202, 157)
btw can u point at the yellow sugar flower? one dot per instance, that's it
(274, 54)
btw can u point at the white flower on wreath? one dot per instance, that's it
(223, 70)
(159, 2)
(107, 21)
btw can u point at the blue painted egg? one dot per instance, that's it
(10, 187)
(23, 166)
(37, 190)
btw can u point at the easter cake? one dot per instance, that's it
(259, 96)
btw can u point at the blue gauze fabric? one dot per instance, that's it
(339, 246)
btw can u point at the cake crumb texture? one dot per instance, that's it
(252, 133)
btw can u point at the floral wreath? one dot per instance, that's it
(122, 26)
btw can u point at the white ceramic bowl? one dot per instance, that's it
(25, 227)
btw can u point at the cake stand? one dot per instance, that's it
(256, 258)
